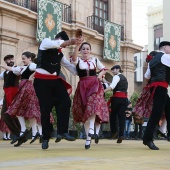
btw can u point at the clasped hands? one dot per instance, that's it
(77, 41)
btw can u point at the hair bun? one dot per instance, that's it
(33, 55)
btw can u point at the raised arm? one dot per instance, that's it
(115, 80)
(6, 67)
(75, 54)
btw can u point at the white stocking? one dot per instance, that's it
(97, 128)
(39, 128)
(33, 124)
(86, 126)
(5, 135)
(89, 128)
(92, 121)
(8, 135)
(163, 127)
(22, 123)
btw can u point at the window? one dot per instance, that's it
(100, 14)
(158, 35)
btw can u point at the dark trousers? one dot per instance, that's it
(118, 107)
(12, 122)
(138, 130)
(53, 93)
(161, 102)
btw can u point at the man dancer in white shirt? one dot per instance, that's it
(10, 87)
(50, 87)
(158, 73)
(119, 102)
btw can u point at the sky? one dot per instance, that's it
(139, 20)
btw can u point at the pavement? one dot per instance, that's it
(107, 155)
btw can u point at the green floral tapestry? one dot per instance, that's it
(112, 35)
(49, 19)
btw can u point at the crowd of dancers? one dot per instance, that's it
(32, 90)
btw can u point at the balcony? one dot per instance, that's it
(32, 5)
(97, 23)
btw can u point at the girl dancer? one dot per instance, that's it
(89, 105)
(25, 105)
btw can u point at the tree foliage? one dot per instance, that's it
(134, 98)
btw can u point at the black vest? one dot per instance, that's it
(122, 85)
(49, 60)
(84, 72)
(26, 74)
(10, 79)
(159, 71)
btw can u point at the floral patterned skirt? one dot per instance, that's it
(89, 100)
(25, 103)
(3, 127)
(143, 106)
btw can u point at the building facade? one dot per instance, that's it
(18, 23)
(158, 30)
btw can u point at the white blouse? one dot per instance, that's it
(20, 69)
(91, 63)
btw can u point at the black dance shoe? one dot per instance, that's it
(87, 146)
(151, 145)
(161, 134)
(68, 137)
(14, 139)
(5, 139)
(168, 137)
(119, 140)
(45, 144)
(65, 136)
(96, 139)
(90, 134)
(21, 140)
(35, 137)
(58, 139)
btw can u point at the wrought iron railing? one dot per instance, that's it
(66, 16)
(97, 23)
(32, 5)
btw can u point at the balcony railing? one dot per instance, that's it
(32, 5)
(97, 23)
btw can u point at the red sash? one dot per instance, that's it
(10, 93)
(120, 94)
(54, 77)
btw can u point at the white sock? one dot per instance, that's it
(22, 123)
(5, 135)
(92, 121)
(97, 125)
(33, 124)
(86, 126)
(8, 135)
(163, 128)
(39, 128)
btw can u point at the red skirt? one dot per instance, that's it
(25, 103)
(144, 104)
(89, 100)
(3, 127)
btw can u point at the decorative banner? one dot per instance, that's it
(49, 19)
(112, 35)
